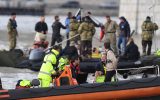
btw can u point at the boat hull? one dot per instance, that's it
(129, 89)
(112, 95)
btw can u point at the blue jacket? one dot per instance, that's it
(67, 22)
(124, 28)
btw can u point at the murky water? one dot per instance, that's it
(10, 76)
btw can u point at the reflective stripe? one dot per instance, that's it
(45, 73)
(48, 61)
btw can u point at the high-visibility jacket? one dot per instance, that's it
(157, 53)
(23, 84)
(101, 78)
(49, 65)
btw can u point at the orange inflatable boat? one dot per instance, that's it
(147, 88)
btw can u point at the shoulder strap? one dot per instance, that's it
(108, 60)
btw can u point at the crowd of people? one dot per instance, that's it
(79, 34)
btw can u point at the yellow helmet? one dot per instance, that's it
(62, 62)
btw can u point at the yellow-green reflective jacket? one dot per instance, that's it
(157, 53)
(100, 79)
(48, 66)
(25, 83)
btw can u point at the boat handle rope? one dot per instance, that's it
(62, 42)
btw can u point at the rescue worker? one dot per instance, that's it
(148, 28)
(49, 67)
(86, 31)
(111, 62)
(41, 29)
(101, 69)
(56, 26)
(67, 22)
(73, 27)
(110, 28)
(12, 31)
(123, 35)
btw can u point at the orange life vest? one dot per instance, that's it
(66, 78)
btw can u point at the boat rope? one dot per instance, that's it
(62, 42)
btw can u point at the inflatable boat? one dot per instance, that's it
(17, 59)
(139, 89)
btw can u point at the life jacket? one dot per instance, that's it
(101, 78)
(65, 78)
(95, 53)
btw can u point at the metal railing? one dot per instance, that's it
(157, 70)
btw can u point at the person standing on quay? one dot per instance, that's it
(148, 28)
(67, 22)
(12, 31)
(110, 28)
(56, 26)
(41, 29)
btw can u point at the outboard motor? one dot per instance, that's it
(37, 55)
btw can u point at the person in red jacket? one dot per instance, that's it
(74, 65)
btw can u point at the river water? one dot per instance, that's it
(10, 76)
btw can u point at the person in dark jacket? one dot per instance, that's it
(56, 26)
(123, 35)
(41, 29)
(131, 52)
(70, 51)
(74, 65)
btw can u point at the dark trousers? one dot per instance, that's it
(86, 47)
(68, 41)
(144, 46)
(55, 39)
(109, 75)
